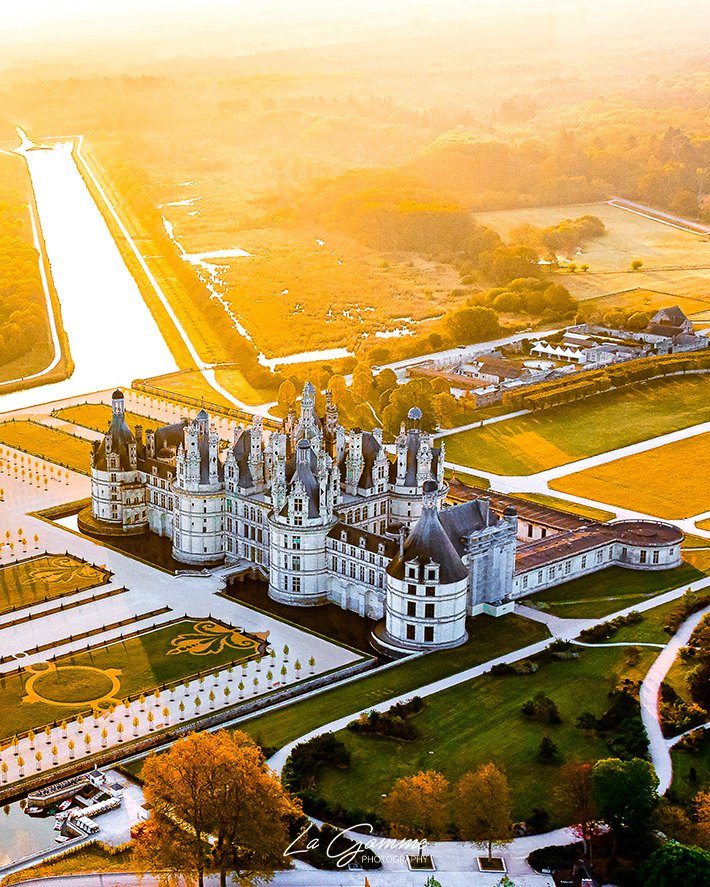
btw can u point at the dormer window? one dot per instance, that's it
(412, 571)
(380, 547)
(344, 535)
(362, 542)
(431, 572)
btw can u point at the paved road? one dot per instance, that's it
(658, 744)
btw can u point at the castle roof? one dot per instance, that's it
(428, 543)
(121, 438)
(370, 450)
(303, 472)
(241, 451)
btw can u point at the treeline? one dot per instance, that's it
(561, 391)
(23, 315)
(563, 238)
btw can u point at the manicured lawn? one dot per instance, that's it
(609, 590)
(668, 482)
(47, 443)
(699, 558)
(488, 638)
(104, 675)
(45, 578)
(98, 416)
(231, 378)
(692, 541)
(595, 514)
(649, 631)
(703, 525)
(190, 383)
(479, 721)
(93, 857)
(574, 431)
(683, 761)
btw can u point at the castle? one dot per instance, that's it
(326, 514)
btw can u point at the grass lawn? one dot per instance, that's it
(92, 857)
(103, 675)
(190, 383)
(595, 514)
(704, 525)
(45, 578)
(46, 443)
(692, 541)
(98, 417)
(574, 431)
(668, 482)
(231, 378)
(650, 631)
(609, 590)
(479, 721)
(488, 638)
(699, 558)
(683, 761)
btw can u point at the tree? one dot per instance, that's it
(214, 806)
(674, 865)
(636, 265)
(547, 752)
(482, 807)
(575, 796)
(476, 324)
(418, 806)
(286, 396)
(625, 793)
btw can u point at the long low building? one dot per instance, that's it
(326, 515)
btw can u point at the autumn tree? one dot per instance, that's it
(214, 806)
(361, 387)
(418, 806)
(286, 396)
(482, 808)
(575, 796)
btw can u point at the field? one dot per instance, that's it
(45, 578)
(46, 443)
(473, 723)
(609, 590)
(98, 417)
(193, 384)
(91, 857)
(488, 638)
(574, 431)
(105, 675)
(629, 236)
(668, 482)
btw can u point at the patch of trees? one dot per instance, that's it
(620, 726)
(690, 603)
(605, 630)
(541, 708)
(23, 315)
(676, 714)
(563, 238)
(393, 723)
(328, 848)
(530, 295)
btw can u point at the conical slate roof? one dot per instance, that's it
(428, 543)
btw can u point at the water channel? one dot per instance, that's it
(112, 335)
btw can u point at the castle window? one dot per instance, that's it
(371, 577)
(411, 608)
(530, 531)
(412, 572)
(362, 574)
(430, 573)
(352, 571)
(624, 551)
(344, 535)
(429, 633)
(600, 555)
(525, 581)
(357, 515)
(584, 562)
(362, 542)
(539, 576)
(430, 590)
(298, 520)
(298, 505)
(411, 633)
(568, 567)
(642, 558)
(113, 478)
(543, 533)
(296, 584)
(296, 562)
(411, 589)
(429, 611)
(380, 548)
(655, 557)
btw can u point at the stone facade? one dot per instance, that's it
(327, 515)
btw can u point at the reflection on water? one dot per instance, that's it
(22, 835)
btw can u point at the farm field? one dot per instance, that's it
(101, 676)
(563, 434)
(652, 482)
(610, 590)
(479, 721)
(98, 416)
(45, 578)
(629, 236)
(488, 638)
(47, 443)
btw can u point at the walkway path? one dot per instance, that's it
(493, 420)
(658, 744)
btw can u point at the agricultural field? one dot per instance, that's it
(629, 236)
(669, 482)
(488, 638)
(479, 721)
(609, 590)
(47, 443)
(102, 676)
(98, 416)
(45, 578)
(564, 434)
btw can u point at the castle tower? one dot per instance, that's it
(418, 462)
(426, 599)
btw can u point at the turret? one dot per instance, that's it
(355, 461)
